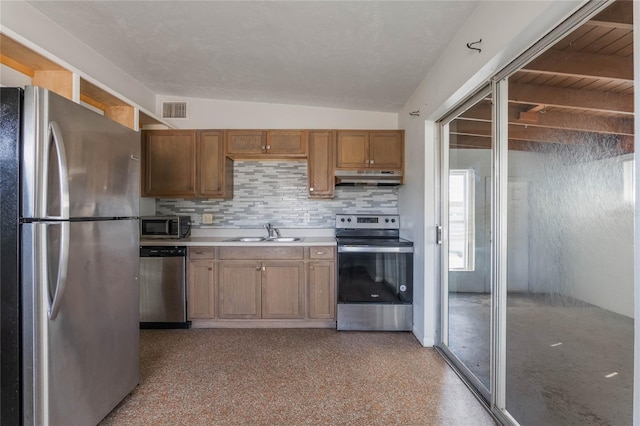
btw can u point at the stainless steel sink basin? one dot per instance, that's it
(261, 239)
(284, 239)
(245, 240)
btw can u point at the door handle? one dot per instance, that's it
(63, 265)
(63, 173)
(438, 235)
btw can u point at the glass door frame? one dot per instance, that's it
(497, 87)
(443, 342)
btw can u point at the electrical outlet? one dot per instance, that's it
(207, 219)
(307, 217)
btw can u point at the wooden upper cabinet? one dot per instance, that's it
(370, 149)
(267, 144)
(287, 143)
(352, 150)
(386, 150)
(214, 181)
(245, 142)
(186, 164)
(169, 165)
(320, 164)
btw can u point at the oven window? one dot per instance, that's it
(375, 277)
(461, 220)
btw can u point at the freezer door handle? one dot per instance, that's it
(63, 265)
(63, 172)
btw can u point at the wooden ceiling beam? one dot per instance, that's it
(556, 120)
(588, 100)
(618, 15)
(535, 134)
(578, 64)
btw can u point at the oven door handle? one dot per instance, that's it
(363, 249)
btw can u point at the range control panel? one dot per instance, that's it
(350, 221)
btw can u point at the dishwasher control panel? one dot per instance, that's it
(163, 251)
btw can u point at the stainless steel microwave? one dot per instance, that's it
(165, 226)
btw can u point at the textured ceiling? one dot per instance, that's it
(368, 55)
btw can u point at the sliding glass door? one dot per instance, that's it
(466, 265)
(538, 206)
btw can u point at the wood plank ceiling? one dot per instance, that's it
(579, 93)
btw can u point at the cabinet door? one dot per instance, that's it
(201, 297)
(287, 143)
(246, 142)
(352, 150)
(211, 164)
(320, 164)
(386, 150)
(169, 163)
(283, 290)
(321, 290)
(239, 290)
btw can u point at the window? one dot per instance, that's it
(461, 220)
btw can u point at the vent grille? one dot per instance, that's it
(174, 110)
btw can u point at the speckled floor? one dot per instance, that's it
(293, 377)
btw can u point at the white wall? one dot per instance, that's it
(506, 30)
(12, 78)
(222, 114)
(28, 26)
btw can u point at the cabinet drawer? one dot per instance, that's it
(321, 252)
(201, 252)
(261, 253)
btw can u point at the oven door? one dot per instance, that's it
(369, 274)
(375, 288)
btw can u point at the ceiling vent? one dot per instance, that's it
(174, 110)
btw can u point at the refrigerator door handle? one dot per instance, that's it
(63, 171)
(63, 265)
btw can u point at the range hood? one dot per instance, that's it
(368, 177)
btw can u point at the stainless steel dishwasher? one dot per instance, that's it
(163, 295)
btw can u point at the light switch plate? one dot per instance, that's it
(207, 218)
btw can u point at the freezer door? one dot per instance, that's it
(76, 163)
(81, 319)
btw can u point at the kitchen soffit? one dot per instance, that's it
(341, 54)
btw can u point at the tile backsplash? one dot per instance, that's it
(276, 192)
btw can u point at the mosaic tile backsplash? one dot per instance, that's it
(276, 192)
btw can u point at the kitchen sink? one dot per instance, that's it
(283, 239)
(245, 240)
(261, 239)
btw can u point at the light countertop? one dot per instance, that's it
(222, 241)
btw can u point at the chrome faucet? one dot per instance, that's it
(271, 231)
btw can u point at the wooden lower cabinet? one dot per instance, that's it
(201, 291)
(283, 290)
(321, 293)
(240, 290)
(279, 286)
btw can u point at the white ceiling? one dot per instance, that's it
(368, 55)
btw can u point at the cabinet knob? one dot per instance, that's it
(263, 147)
(371, 161)
(320, 252)
(211, 269)
(257, 268)
(264, 269)
(268, 146)
(311, 267)
(310, 189)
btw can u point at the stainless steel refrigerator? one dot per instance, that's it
(69, 194)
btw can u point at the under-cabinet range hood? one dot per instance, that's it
(368, 177)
